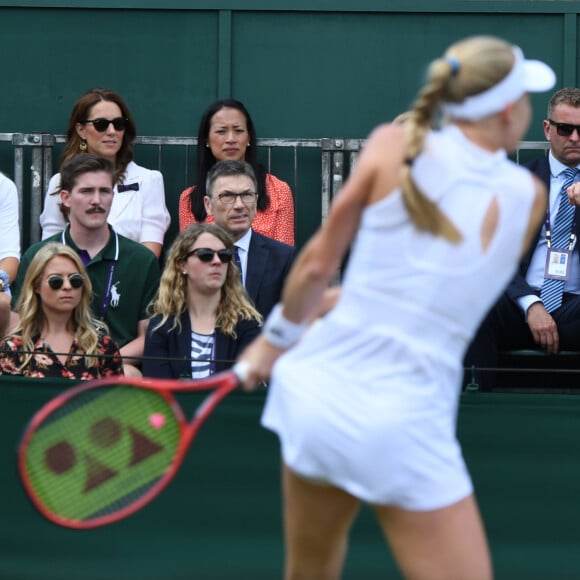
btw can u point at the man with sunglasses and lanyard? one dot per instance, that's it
(541, 306)
(124, 273)
(264, 262)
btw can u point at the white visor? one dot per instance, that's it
(526, 76)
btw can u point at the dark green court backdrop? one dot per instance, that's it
(220, 518)
(304, 68)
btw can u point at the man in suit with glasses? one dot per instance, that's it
(264, 262)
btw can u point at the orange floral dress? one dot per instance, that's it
(276, 222)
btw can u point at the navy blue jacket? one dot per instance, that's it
(170, 351)
(518, 287)
(269, 262)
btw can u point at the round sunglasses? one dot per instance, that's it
(101, 124)
(56, 281)
(207, 254)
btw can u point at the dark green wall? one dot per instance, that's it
(311, 68)
(302, 73)
(221, 516)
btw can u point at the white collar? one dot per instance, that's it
(556, 166)
(111, 229)
(244, 242)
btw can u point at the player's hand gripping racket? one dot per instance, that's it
(101, 451)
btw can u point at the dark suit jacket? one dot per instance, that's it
(269, 262)
(518, 287)
(172, 349)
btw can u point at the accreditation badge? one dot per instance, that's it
(557, 264)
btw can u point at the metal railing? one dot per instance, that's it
(337, 158)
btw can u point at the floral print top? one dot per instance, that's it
(45, 364)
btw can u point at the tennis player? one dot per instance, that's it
(365, 400)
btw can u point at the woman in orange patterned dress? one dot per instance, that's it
(226, 131)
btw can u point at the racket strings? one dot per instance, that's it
(101, 451)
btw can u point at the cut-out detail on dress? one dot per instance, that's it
(489, 224)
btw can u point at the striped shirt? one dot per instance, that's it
(202, 349)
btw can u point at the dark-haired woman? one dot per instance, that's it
(226, 131)
(101, 123)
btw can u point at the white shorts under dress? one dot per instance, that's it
(339, 424)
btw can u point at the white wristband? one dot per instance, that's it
(281, 332)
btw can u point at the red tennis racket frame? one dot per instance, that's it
(222, 384)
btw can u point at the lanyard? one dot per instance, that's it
(109, 285)
(105, 304)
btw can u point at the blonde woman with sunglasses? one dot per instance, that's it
(56, 335)
(202, 317)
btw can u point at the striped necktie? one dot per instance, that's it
(552, 290)
(238, 262)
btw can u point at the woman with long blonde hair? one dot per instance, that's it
(57, 335)
(202, 318)
(365, 401)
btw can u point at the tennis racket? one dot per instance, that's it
(99, 452)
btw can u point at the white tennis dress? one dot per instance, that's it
(367, 400)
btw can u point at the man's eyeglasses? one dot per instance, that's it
(101, 124)
(229, 197)
(565, 129)
(56, 281)
(207, 254)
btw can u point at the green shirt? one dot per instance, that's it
(134, 281)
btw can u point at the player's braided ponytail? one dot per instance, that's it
(469, 67)
(424, 213)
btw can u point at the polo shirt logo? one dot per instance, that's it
(115, 296)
